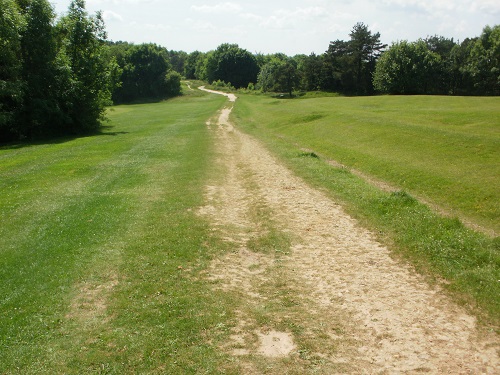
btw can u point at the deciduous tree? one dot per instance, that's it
(40, 114)
(147, 74)
(287, 78)
(83, 48)
(406, 68)
(461, 81)
(232, 64)
(484, 62)
(177, 60)
(265, 79)
(442, 81)
(191, 64)
(11, 27)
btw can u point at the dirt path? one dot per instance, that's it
(316, 293)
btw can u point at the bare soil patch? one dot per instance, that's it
(333, 301)
(276, 344)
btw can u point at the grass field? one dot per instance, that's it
(102, 252)
(445, 150)
(100, 247)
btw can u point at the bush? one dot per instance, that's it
(173, 83)
(222, 85)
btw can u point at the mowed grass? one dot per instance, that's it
(101, 248)
(444, 149)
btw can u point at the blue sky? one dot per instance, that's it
(288, 26)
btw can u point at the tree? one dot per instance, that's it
(406, 68)
(173, 83)
(349, 65)
(83, 49)
(461, 80)
(54, 79)
(191, 63)
(261, 59)
(118, 50)
(265, 79)
(147, 74)
(336, 66)
(364, 49)
(484, 62)
(442, 81)
(11, 27)
(231, 64)
(311, 70)
(440, 45)
(40, 114)
(286, 76)
(144, 67)
(177, 60)
(195, 65)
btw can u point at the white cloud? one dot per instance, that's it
(109, 15)
(200, 25)
(218, 8)
(487, 6)
(285, 18)
(157, 27)
(430, 7)
(301, 14)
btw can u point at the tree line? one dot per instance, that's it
(57, 76)
(362, 65)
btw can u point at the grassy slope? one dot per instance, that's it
(401, 140)
(94, 232)
(444, 149)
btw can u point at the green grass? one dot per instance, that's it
(101, 248)
(427, 146)
(442, 149)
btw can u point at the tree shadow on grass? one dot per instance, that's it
(102, 131)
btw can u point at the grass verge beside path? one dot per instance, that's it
(443, 149)
(101, 247)
(345, 130)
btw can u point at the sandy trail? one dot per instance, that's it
(391, 320)
(231, 97)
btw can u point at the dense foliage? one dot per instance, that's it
(11, 25)
(279, 74)
(146, 73)
(407, 68)
(232, 64)
(54, 77)
(363, 65)
(349, 65)
(438, 65)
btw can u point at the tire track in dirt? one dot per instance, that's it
(391, 320)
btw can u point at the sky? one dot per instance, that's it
(288, 26)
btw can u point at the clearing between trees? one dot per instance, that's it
(316, 289)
